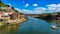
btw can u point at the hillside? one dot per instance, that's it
(1, 4)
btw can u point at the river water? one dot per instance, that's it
(32, 26)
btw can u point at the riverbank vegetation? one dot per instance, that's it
(51, 17)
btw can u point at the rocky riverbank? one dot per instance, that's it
(10, 16)
(16, 22)
(13, 22)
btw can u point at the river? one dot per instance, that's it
(32, 26)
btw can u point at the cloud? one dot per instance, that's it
(51, 5)
(23, 1)
(27, 11)
(26, 5)
(35, 11)
(35, 5)
(58, 8)
(53, 8)
(9, 5)
(58, 5)
(24, 11)
(17, 9)
(39, 10)
(20, 10)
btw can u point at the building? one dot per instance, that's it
(15, 15)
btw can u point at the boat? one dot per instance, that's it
(53, 27)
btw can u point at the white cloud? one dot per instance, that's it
(35, 11)
(58, 5)
(35, 5)
(17, 9)
(58, 8)
(51, 7)
(26, 5)
(9, 5)
(24, 11)
(23, 1)
(20, 10)
(39, 10)
(27, 11)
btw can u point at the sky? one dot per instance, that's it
(34, 6)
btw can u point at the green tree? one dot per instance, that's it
(16, 11)
(7, 5)
(1, 4)
(13, 8)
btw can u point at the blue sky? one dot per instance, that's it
(33, 6)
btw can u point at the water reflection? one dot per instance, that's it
(8, 29)
(32, 26)
(51, 21)
(57, 22)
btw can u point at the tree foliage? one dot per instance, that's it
(1, 4)
(13, 8)
(16, 11)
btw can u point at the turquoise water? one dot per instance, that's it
(32, 26)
